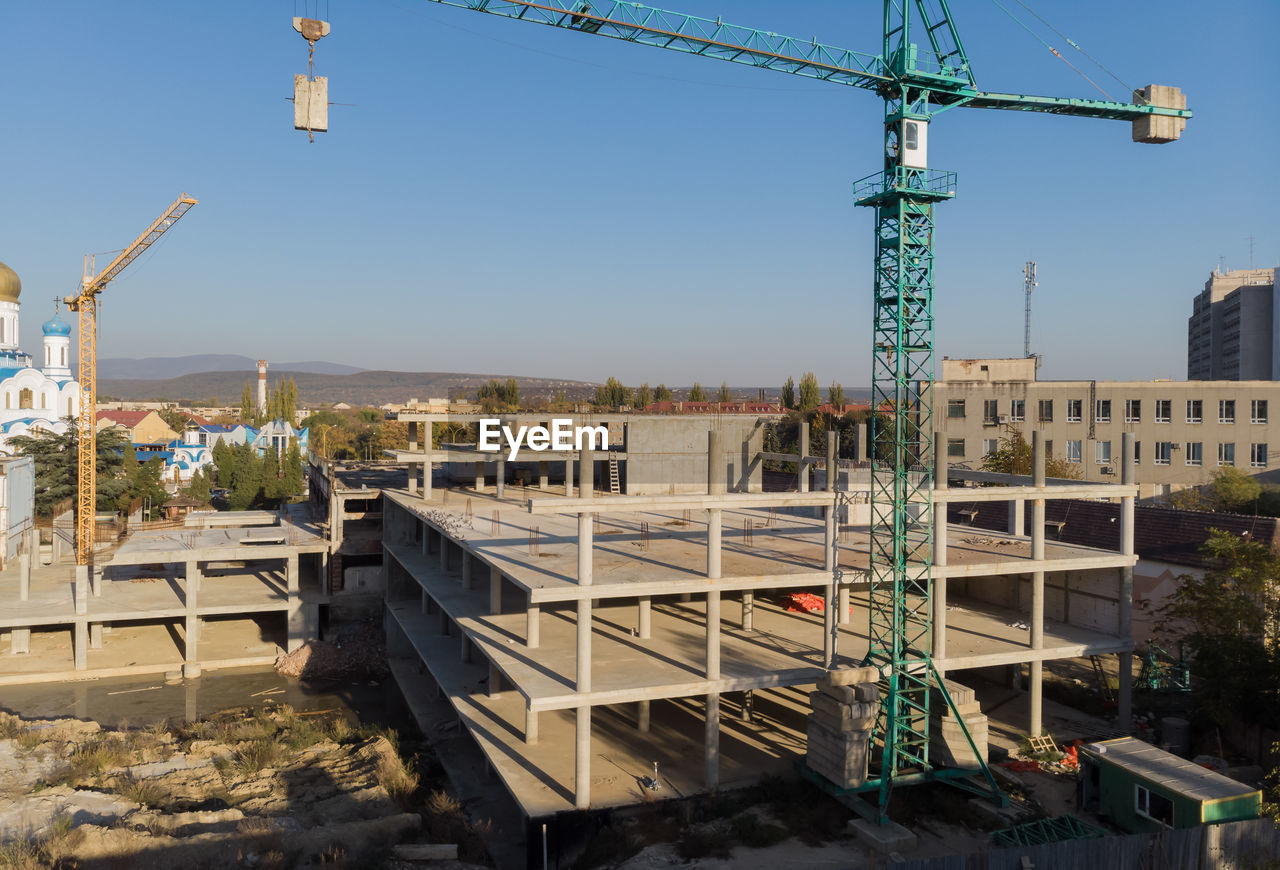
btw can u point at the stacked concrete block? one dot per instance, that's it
(947, 744)
(844, 711)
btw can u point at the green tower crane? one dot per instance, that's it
(922, 70)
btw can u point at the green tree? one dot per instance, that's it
(200, 484)
(661, 393)
(835, 396)
(810, 394)
(293, 482)
(248, 410)
(696, 394)
(644, 396)
(612, 394)
(146, 482)
(725, 395)
(57, 468)
(1229, 619)
(789, 394)
(1014, 456)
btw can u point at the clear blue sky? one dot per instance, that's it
(502, 197)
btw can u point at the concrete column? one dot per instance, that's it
(296, 617)
(24, 575)
(465, 654)
(715, 486)
(582, 759)
(860, 442)
(713, 635)
(642, 716)
(1124, 694)
(530, 725)
(20, 641)
(444, 554)
(426, 540)
(82, 589)
(568, 478)
(80, 644)
(1016, 514)
(940, 464)
(586, 481)
(1037, 505)
(95, 634)
(748, 611)
(467, 562)
(413, 473)
(442, 620)
(495, 591)
(939, 622)
(842, 600)
(544, 475)
(802, 478)
(426, 479)
(713, 741)
(532, 624)
(1036, 668)
(644, 619)
(495, 680)
(831, 515)
(501, 479)
(479, 482)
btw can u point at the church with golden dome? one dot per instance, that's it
(33, 397)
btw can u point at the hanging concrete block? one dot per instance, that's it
(1158, 129)
(311, 103)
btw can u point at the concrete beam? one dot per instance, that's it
(693, 501)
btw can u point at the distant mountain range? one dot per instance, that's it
(317, 388)
(165, 367)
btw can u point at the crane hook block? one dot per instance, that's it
(1158, 129)
(311, 28)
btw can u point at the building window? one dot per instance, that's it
(1074, 409)
(1195, 453)
(955, 409)
(1018, 410)
(1048, 448)
(955, 447)
(1257, 456)
(44, 401)
(1137, 452)
(1102, 411)
(1227, 454)
(1153, 805)
(25, 398)
(1226, 410)
(990, 445)
(1258, 411)
(1073, 451)
(1164, 410)
(1046, 410)
(1102, 452)
(1133, 410)
(1164, 450)
(990, 412)
(1195, 411)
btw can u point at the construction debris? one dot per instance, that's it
(844, 711)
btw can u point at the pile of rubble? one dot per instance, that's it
(359, 652)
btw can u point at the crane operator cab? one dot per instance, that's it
(913, 144)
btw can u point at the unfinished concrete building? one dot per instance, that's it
(222, 590)
(595, 645)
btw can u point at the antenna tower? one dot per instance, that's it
(1029, 284)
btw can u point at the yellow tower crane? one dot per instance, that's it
(85, 303)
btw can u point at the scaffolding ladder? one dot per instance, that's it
(615, 484)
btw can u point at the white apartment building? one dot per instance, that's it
(1234, 328)
(1183, 430)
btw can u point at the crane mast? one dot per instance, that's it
(922, 70)
(85, 304)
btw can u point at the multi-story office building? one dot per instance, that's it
(1184, 430)
(1234, 326)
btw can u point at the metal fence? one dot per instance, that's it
(1248, 845)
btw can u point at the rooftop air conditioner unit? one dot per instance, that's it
(1107, 469)
(1003, 418)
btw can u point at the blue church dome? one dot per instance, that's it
(57, 326)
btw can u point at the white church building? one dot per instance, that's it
(33, 397)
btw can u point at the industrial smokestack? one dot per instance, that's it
(262, 386)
